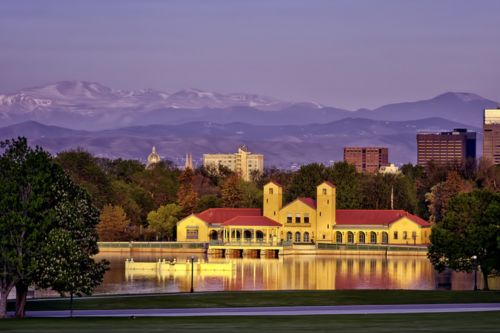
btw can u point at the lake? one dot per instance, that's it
(289, 272)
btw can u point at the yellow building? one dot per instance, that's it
(244, 163)
(304, 220)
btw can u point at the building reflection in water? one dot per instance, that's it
(291, 272)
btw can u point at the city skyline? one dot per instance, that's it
(351, 55)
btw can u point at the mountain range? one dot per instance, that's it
(127, 123)
(284, 146)
(92, 106)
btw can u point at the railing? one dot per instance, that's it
(151, 245)
(248, 243)
(373, 247)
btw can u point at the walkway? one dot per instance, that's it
(276, 311)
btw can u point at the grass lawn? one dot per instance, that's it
(443, 322)
(267, 298)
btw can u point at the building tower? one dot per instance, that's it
(491, 138)
(325, 211)
(153, 158)
(273, 200)
(189, 162)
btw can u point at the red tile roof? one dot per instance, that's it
(375, 217)
(253, 221)
(308, 201)
(221, 215)
(328, 183)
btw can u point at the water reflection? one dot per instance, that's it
(291, 272)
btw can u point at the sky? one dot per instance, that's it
(345, 53)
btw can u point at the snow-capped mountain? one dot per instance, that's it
(84, 97)
(92, 106)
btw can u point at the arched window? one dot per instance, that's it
(297, 237)
(289, 236)
(259, 235)
(338, 237)
(213, 235)
(362, 237)
(385, 238)
(373, 237)
(350, 237)
(306, 237)
(247, 234)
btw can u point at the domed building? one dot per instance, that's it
(153, 158)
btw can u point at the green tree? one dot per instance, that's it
(206, 202)
(305, 180)
(469, 228)
(37, 198)
(114, 225)
(83, 169)
(251, 195)
(348, 184)
(164, 220)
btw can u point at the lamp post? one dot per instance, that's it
(474, 262)
(192, 273)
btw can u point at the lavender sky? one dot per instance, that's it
(349, 54)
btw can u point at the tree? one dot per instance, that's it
(163, 220)
(114, 225)
(206, 202)
(470, 227)
(187, 197)
(347, 182)
(441, 193)
(37, 198)
(83, 169)
(305, 180)
(251, 195)
(231, 192)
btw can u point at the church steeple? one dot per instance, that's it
(189, 162)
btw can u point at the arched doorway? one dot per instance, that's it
(350, 237)
(214, 235)
(247, 234)
(259, 235)
(362, 237)
(385, 238)
(338, 237)
(373, 237)
(297, 237)
(306, 237)
(236, 235)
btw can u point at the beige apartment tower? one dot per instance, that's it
(491, 135)
(244, 163)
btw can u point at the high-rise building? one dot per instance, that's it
(244, 163)
(446, 147)
(367, 159)
(491, 135)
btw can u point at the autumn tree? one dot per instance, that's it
(232, 195)
(114, 224)
(442, 192)
(187, 197)
(470, 229)
(163, 221)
